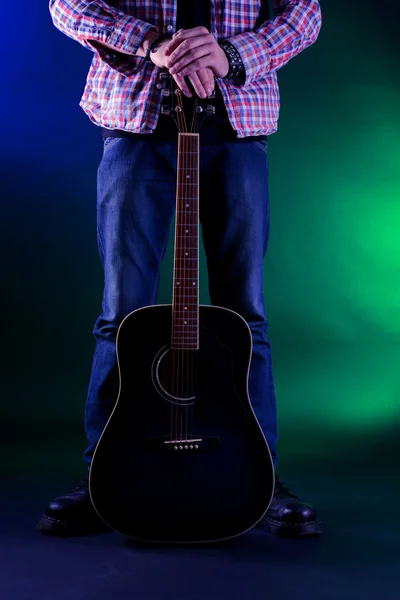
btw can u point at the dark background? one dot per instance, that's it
(332, 274)
(332, 288)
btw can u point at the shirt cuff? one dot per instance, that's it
(254, 52)
(128, 34)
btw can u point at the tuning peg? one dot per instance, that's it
(212, 95)
(165, 110)
(210, 109)
(165, 92)
(163, 76)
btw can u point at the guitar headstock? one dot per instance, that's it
(172, 105)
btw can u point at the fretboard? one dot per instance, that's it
(185, 304)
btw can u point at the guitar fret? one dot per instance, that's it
(194, 319)
(180, 347)
(185, 319)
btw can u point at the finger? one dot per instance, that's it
(183, 86)
(212, 79)
(197, 65)
(187, 48)
(206, 81)
(198, 86)
(184, 34)
(185, 55)
(211, 83)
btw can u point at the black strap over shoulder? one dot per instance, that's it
(266, 11)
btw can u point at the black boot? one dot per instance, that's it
(290, 516)
(71, 514)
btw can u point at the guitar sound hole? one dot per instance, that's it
(174, 375)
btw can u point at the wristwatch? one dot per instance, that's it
(153, 46)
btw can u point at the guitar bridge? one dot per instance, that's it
(186, 446)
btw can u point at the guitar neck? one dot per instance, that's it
(185, 304)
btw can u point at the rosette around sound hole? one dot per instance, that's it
(174, 375)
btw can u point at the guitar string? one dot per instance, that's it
(187, 238)
(189, 410)
(182, 276)
(188, 301)
(190, 219)
(181, 354)
(195, 169)
(175, 353)
(180, 114)
(185, 356)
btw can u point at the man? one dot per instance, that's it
(236, 51)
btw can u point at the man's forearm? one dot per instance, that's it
(141, 51)
(295, 26)
(88, 21)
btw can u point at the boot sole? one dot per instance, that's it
(50, 526)
(313, 528)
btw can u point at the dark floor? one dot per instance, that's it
(358, 557)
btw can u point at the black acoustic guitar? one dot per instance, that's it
(182, 458)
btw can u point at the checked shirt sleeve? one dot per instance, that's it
(296, 26)
(92, 22)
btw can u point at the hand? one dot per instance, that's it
(194, 49)
(201, 79)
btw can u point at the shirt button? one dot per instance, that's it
(169, 28)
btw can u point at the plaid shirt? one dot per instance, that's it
(121, 91)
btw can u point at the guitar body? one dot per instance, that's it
(182, 461)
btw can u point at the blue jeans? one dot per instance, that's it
(136, 204)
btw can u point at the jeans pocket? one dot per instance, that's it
(108, 142)
(261, 145)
